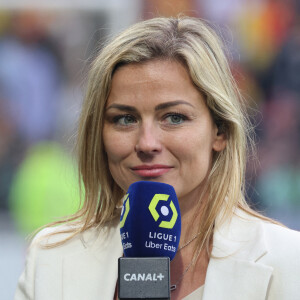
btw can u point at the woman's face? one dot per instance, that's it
(157, 127)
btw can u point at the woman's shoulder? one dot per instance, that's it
(276, 235)
(53, 248)
(69, 237)
(282, 238)
(282, 255)
(249, 230)
(271, 244)
(282, 248)
(278, 230)
(273, 231)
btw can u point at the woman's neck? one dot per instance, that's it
(188, 268)
(190, 209)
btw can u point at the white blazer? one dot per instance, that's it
(251, 260)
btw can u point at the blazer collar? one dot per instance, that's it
(92, 273)
(234, 270)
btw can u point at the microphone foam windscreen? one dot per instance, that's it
(150, 222)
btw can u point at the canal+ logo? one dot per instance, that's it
(125, 210)
(165, 211)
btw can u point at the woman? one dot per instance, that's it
(162, 105)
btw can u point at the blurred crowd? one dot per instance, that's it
(40, 96)
(43, 60)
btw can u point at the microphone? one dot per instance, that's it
(150, 227)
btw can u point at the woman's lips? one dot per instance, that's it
(151, 171)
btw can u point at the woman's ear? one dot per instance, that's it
(220, 143)
(220, 140)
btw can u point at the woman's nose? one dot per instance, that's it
(148, 141)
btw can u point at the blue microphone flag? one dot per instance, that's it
(150, 222)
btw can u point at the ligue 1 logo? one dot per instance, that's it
(125, 210)
(164, 210)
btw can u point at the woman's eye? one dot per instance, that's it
(175, 119)
(124, 120)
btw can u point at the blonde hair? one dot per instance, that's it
(195, 44)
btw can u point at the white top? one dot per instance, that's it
(196, 294)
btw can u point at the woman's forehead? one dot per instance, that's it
(158, 80)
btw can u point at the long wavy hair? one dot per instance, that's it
(194, 43)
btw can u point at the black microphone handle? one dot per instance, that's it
(144, 278)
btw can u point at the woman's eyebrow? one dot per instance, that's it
(164, 105)
(122, 107)
(172, 103)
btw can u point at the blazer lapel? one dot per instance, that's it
(92, 274)
(234, 271)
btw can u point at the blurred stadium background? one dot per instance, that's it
(45, 47)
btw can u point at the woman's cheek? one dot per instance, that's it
(117, 146)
